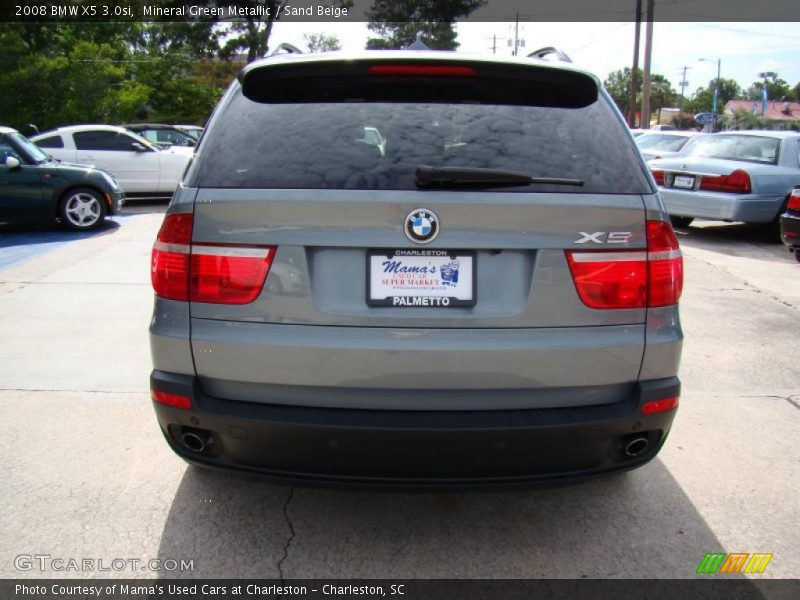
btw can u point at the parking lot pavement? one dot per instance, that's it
(87, 474)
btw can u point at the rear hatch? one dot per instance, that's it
(411, 196)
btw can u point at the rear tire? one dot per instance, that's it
(82, 209)
(681, 222)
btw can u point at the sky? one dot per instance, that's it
(745, 49)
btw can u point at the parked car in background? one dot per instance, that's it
(193, 130)
(142, 169)
(662, 144)
(731, 176)
(36, 188)
(493, 311)
(790, 223)
(164, 136)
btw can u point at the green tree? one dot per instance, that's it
(777, 88)
(618, 85)
(100, 72)
(251, 34)
(321, 42)
(703, 99)
(397, 23)
(744, 119)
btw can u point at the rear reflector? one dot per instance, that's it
(168, 399)
(630, 278)
(422, 70)
(794, 201)
(212, 273)
(658, 406)
(738, 181)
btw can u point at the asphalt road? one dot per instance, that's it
(86, 473)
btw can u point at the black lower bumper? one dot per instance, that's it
(416, 449)
(790, 231)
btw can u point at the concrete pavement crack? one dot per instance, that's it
(291, 534)
(788, 399)
(749, 287)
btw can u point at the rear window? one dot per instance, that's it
(748, 148)
(671, 143)
(379, 145)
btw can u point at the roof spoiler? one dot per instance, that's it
(542, 53)
(415, 77)
(286, 48)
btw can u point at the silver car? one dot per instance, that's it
(663, 144)
(491, 300)
(731, 176)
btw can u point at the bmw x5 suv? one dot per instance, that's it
(488, 296)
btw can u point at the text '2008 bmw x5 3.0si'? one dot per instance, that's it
(484, 293)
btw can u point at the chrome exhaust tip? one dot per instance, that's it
(636, 446)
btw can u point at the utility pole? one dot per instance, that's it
(683, 87)
(518, 43)
(493, 47)
(648, 53)
(632, 104)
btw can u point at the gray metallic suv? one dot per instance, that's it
(486, 295)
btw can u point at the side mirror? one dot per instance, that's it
(11, 162)
(137, 147)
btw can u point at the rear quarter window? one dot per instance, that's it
(53, 141)
(334, 145)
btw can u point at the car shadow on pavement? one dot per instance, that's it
(143, 207)
(633, 525)
(19, 235)
(718, 232)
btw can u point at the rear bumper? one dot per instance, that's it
(790, 230)
(719, 206)
(414, 449)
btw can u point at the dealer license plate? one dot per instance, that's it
(421, 278)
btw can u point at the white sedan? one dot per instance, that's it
(141, 168)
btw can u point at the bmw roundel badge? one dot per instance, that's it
(422, 225)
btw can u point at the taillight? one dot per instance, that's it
(794, 201)
(665, 265)
(658, 406)
(229, 274)
(213, 273)
(610, 279)
(422, 70)
(169, 265)
(169, 399)
(658, 176)
(631, 278)
(738, 181)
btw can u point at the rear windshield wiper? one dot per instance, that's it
(467, 177)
